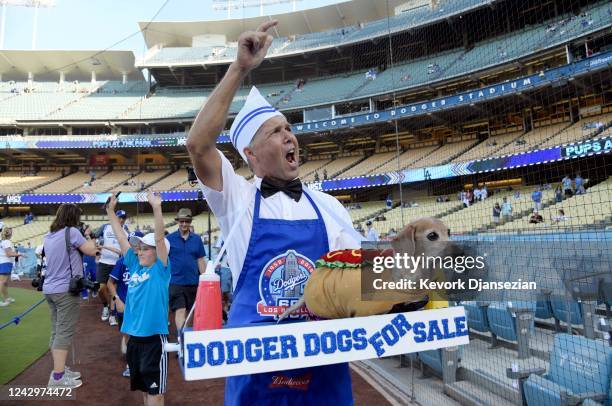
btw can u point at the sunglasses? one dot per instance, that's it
(185, 221)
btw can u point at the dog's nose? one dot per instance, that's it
(455, 250)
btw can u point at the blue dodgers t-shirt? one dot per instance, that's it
(146, 305)
(121, 275)
(536, 196)
(184, 255)
(89, 267)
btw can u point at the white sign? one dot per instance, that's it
(249, 350)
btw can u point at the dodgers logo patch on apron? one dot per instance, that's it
(281, 283)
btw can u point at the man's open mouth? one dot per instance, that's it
(291, 156)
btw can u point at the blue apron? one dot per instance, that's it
(278, 262)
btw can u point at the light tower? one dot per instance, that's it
(36, 4)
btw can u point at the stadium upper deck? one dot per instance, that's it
(197, 53)
(107, 101)
(349, 22)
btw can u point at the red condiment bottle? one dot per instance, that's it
(208, 313)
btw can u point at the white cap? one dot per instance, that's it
(148, 239)
(254, 113)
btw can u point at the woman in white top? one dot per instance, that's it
(7, 259)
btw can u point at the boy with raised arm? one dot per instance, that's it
(146, 307)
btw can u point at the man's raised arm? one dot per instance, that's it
(210, 121)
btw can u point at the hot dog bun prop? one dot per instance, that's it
(334, 289)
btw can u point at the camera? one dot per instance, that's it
(78, 283)
(82, 228)
(38, 282)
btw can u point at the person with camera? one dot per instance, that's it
(7, 261)
(145, 318)
(64, 246)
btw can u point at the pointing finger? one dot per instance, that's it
(267, 25)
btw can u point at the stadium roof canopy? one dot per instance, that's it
(46, 65)
(345, 14)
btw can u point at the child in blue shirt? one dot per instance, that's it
(145, 317)
(117, 286)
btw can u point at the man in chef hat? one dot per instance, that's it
(275, 218)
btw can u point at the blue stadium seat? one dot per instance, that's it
(444, 362)
(502, 317)
(543, 309)
(433, 358)
(578, 366)
(476, 311)
(566, 310)
(564, 307)
(512, 317)
(477, 316)
(543, 306)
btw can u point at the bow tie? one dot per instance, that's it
(292, 189)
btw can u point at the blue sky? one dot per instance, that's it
(97, 24)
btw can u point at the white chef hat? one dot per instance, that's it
(254, 113)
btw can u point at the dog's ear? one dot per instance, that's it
(405, 241)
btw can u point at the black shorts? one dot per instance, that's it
(103, 272)
(148, 364)
(182, 297)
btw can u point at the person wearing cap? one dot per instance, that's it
(117, 287)
(280, 228)
(145, 318)
(8, 254)
(109, 254)
(187, 257)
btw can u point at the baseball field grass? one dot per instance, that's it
(24, 343)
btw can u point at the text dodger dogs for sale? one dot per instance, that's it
(272, 347)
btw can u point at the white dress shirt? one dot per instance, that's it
(228, 206)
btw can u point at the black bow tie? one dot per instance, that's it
(292, 189)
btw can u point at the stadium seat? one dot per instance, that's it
(513, 321)
(543, 309)
(477, 315)
(444, 362)
(567, 311)
(512, 317)
(580, 369)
